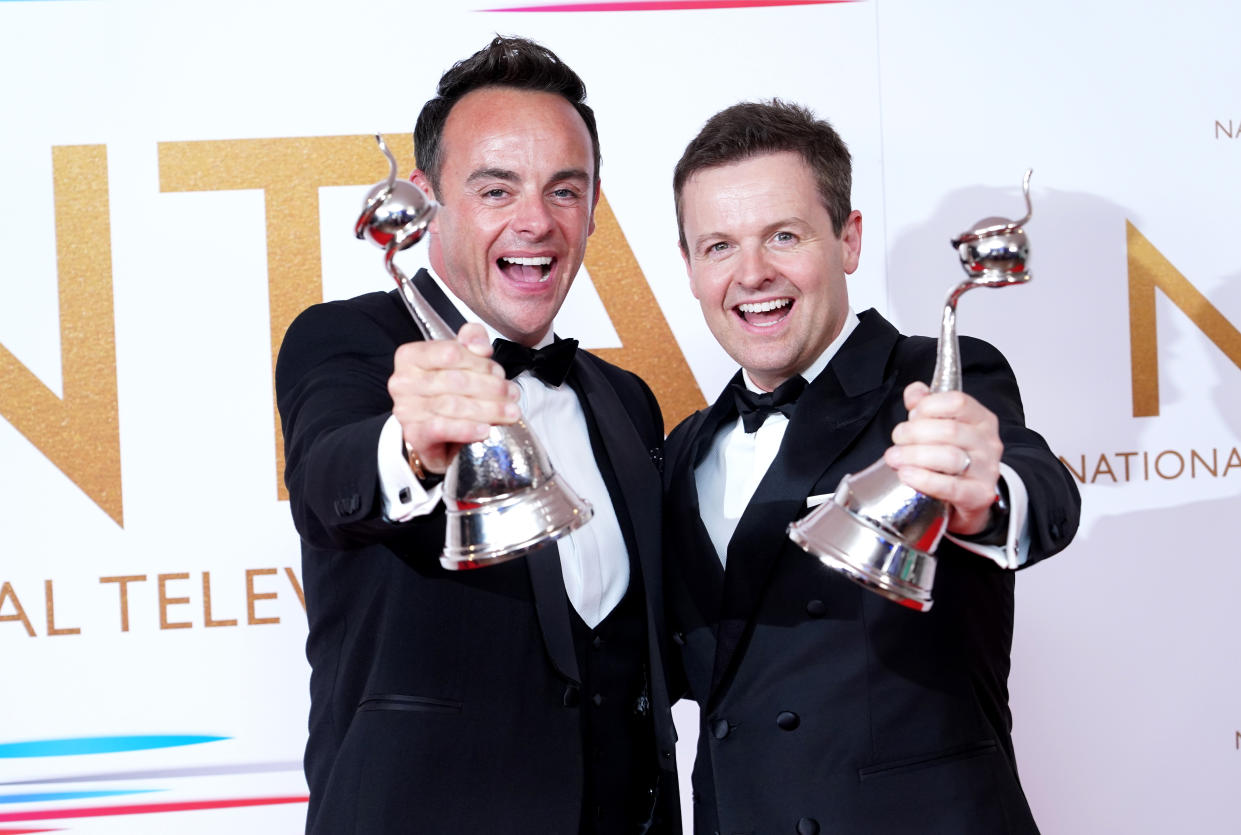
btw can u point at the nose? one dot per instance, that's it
(756, 268)
(532, 220)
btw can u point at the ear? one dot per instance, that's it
(851, 241)
(420, 179)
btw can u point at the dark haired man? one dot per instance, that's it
(826, 708)
(528, 697)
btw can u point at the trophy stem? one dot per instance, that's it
(947, 376)
(430, 323)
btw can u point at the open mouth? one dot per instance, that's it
(765, 314)
(531, 270)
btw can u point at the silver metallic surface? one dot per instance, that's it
(502, 495)
(877, 531)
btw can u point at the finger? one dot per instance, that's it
(941, 458)
(969, 496)
(467, 383)
(914, 394)
(474, 337)
(442, 354)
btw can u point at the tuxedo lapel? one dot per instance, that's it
(552, 605)
(832, 412)
(636, 477)
(703, 571)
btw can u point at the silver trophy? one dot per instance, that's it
(877, 531)
(502, 495)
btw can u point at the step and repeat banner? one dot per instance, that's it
(179, 180)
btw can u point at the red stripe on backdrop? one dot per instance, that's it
(142, 809)
(24, 831)
(664, 5)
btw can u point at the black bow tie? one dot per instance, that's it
(550, 363)
(754, 408)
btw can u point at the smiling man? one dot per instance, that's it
(528, 697)
(826, 708)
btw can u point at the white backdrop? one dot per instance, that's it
(1125, 683)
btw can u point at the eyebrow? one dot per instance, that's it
(765, 232)
(508, 176)
(494, 174)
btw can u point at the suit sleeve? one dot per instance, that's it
(331, 389)
(1054, 501)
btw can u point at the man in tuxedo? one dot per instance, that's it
(527, 697)
(825, 707)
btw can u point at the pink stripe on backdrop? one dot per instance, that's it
(142, 809)
(664, 5)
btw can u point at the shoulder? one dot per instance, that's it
(915, 356)
(367, 325)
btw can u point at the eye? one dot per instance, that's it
(565, 195)
(784, 238)
(495, 193)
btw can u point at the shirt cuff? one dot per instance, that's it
(1016, 548)
(404, 497)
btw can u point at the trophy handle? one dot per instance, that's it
(993, 254)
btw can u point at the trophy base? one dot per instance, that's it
(867, 555)
(507, 527)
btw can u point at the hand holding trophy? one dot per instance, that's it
(502, 495)
(876, 530)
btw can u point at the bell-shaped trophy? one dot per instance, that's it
(502, 495)
(876, 530)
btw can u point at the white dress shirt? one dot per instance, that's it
(593, 558)
(738, 460)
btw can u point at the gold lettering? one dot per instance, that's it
(251, 596)
(648, 346)
(1102, 467)
(1179, 460)
(1079, 476)
(1194, 456)
(1148, 269)
(290, 172)
(207, 619)
(297, 587)
(165, 601)
(1219, 127)
(123, 582)
(1126, 456)
(1234, 460)
(7, 593)
(49, 600)
(79, 433)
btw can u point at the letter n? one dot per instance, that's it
(1148, 269)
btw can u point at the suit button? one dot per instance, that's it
(816, 608)
(788, 720)
(572, 696)
(679, 638)
(1054, 530)
(596, 699)
(719, 728)
(807, 826)
(597, 643)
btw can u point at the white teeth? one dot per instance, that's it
(540, 261)
(763, 307)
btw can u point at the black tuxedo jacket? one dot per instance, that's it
(445, 702)
(826, 708)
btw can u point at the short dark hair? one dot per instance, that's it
(752, 129)
(505, 62)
